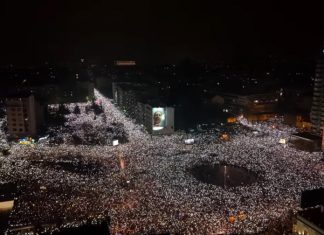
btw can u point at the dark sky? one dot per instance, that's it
(159, 31)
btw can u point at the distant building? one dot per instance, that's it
(300, 121)
(317, 111)
(142, 103)
(125, 62)
(255, 107)
(24, 116)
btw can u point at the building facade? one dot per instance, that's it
(310, 222)
(317, 111)
(254, 107)
(136, 101)
(24, 116)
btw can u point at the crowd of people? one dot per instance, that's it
(145, 185)
(3, 137)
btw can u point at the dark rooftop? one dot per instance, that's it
(314, 215)
(307, 135)
(7, 191)
(311, 198)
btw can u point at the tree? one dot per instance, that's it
(63, 110)
(76, 110)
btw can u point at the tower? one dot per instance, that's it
(317, 111)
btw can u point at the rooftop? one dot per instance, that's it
(311, 198)
(307, 135)
(314, 215)
(7, 191)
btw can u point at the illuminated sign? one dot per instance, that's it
(115, 142)
(282, 141)
(158, 116)
(189, 141)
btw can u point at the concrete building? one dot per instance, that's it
(310, 222)
(254, 107)
(312, 198)
(317, 111)
(141, 102)
(24, 116)
(305, 141)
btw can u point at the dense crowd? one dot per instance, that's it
(145, 186)
(3, 137)
(86, 124)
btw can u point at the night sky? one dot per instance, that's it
(159, 31)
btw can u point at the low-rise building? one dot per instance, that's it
(310, 222)
(254, 107)
(306, 141)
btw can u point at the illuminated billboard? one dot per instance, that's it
(115, 142)
(158, 115)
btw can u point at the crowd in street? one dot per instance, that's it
(145, 185)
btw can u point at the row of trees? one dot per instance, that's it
(89, 126)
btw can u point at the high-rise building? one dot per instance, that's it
(317, 111)
(24, 116)
(141, 103)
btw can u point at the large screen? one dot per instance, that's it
(158, 115)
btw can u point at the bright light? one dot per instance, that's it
(282, 141)
(189, 141)
(115, 142)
